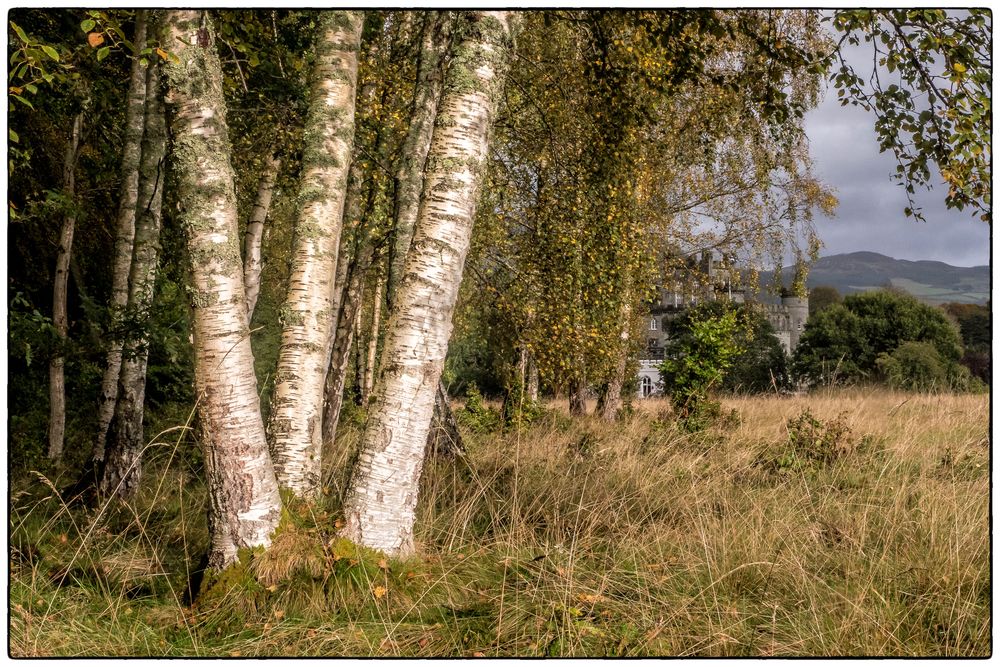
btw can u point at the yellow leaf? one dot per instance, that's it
(958, 67)
(160, 52)
(95, 39)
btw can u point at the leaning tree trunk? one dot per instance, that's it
(350, 311)
(252, 263)
(436, 37)
(296, 420)
(122, 465)
(244, 505)
(381, 499)
(57, 365)
(124, 233)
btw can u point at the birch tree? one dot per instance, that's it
(124, 231)
(57, 365)
(244, 505)
(295, 427)
(122, 471)
(381, 499)
(252, 262)
(432, 61)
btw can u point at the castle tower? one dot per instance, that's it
(798, 313)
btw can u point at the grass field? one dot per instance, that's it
(858, 528)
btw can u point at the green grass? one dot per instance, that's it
(565, 539)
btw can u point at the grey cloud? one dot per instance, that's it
(870, 215)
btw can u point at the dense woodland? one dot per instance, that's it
(292, 238)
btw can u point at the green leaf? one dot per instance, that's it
(87, 25)
(23, 101)
(50, 52)
(13, 136)
(103, 52)
(31, 88)
(20, 33)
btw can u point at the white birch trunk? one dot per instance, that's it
(124, 233)
(381, 499)
(57, 365)
(435, 39)
(252, 263)
(123, 458)
(244, 505)
(296, 420)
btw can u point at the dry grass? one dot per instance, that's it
(584, 538)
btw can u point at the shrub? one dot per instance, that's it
(696, 361)
(843, 343)
(812, 444)
(476, 415)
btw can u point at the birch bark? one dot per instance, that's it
(252, 262)
(122, 466)
(57, 365)
(295, 426)
(381, 499)
(435, 40)
(124, 233)
(244, 505)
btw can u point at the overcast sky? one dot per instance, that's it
(870, 215)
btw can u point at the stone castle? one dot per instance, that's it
(709, 277)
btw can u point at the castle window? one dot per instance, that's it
(652, 324)
(647, 386)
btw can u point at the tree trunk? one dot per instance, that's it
(296, 419)
(444, 438)
(124, 233)
(578, 396)
(244, 505)
(57, 365)
(532, 381)
(369, 378)
(122, 469)
(611, 397)
(382, 496)
(252, 263)
(435, 39)
(347, 323)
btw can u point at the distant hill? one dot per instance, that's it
(931, 282)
